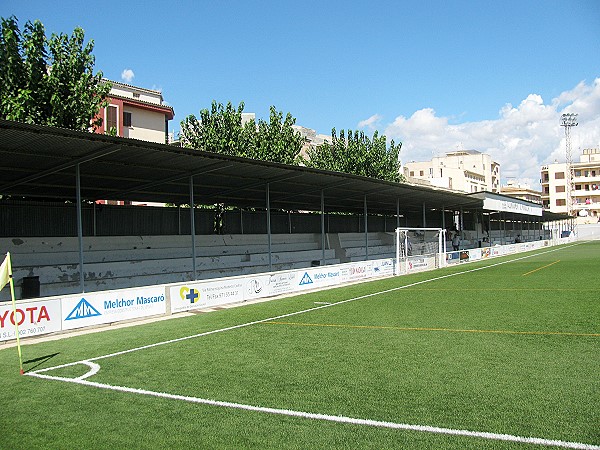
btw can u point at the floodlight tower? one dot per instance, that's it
(569, 120)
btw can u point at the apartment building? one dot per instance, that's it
(136, 113)
(311, 138)
(524, 192)
(464, 170)
(586, 186)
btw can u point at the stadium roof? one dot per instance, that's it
(40, 162)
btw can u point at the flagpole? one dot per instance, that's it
(14, 304)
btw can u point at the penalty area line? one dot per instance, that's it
(331, 418)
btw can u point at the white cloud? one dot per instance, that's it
(127, 75)
(521, 139)
(371, 122)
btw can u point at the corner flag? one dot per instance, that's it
(6, 278)
(5, 272)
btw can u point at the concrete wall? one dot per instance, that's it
(129, 261)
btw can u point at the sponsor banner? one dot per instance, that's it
(383, 267)
(452, 257)
(475, 254)
(417, 264)
(318, 277)
(33, 319)
(96, 308)
(513, 205)
(356, 271)
(256, 286)
(203, 294)
(283, 282)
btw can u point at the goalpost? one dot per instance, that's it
(419, 249)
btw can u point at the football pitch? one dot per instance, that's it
(501, 353)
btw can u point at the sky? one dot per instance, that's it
(438, 76)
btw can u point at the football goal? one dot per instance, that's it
(419, 249)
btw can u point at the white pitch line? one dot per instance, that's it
(338, 419)
(243, 325)
(341, 419)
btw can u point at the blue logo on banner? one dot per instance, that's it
(83, 310)
(306, 279)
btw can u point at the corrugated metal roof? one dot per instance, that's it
(37, 161)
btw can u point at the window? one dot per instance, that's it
(559, 176)
(111, 118)
(560, 189)
(126, 119)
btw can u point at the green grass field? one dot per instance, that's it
(508, 346)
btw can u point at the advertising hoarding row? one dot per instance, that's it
(71, 312)
(203, 294)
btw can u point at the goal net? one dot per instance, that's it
(419, 249)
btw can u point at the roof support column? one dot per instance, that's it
(323, 227)
(193, 227)
(79, 227)
(269, 226)
(366, 232)
(443, 217)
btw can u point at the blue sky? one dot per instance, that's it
(437, 75)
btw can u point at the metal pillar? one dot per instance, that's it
(79, 228)
(323, 227)
(444, 217)
(193, 228)
(366, 232)
(269, 226)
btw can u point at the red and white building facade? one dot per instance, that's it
(136, 113)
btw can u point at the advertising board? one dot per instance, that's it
(96, 308)
(203, 294)
(33, 319)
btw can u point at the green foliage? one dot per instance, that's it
(49, 81)
(357, 154)
(220, 130)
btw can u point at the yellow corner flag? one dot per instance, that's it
(5, 272)
(6, 278)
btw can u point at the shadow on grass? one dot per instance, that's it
(41, 360)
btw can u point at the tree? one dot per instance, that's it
(220, 130)
(49, 81)
(357, 154)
